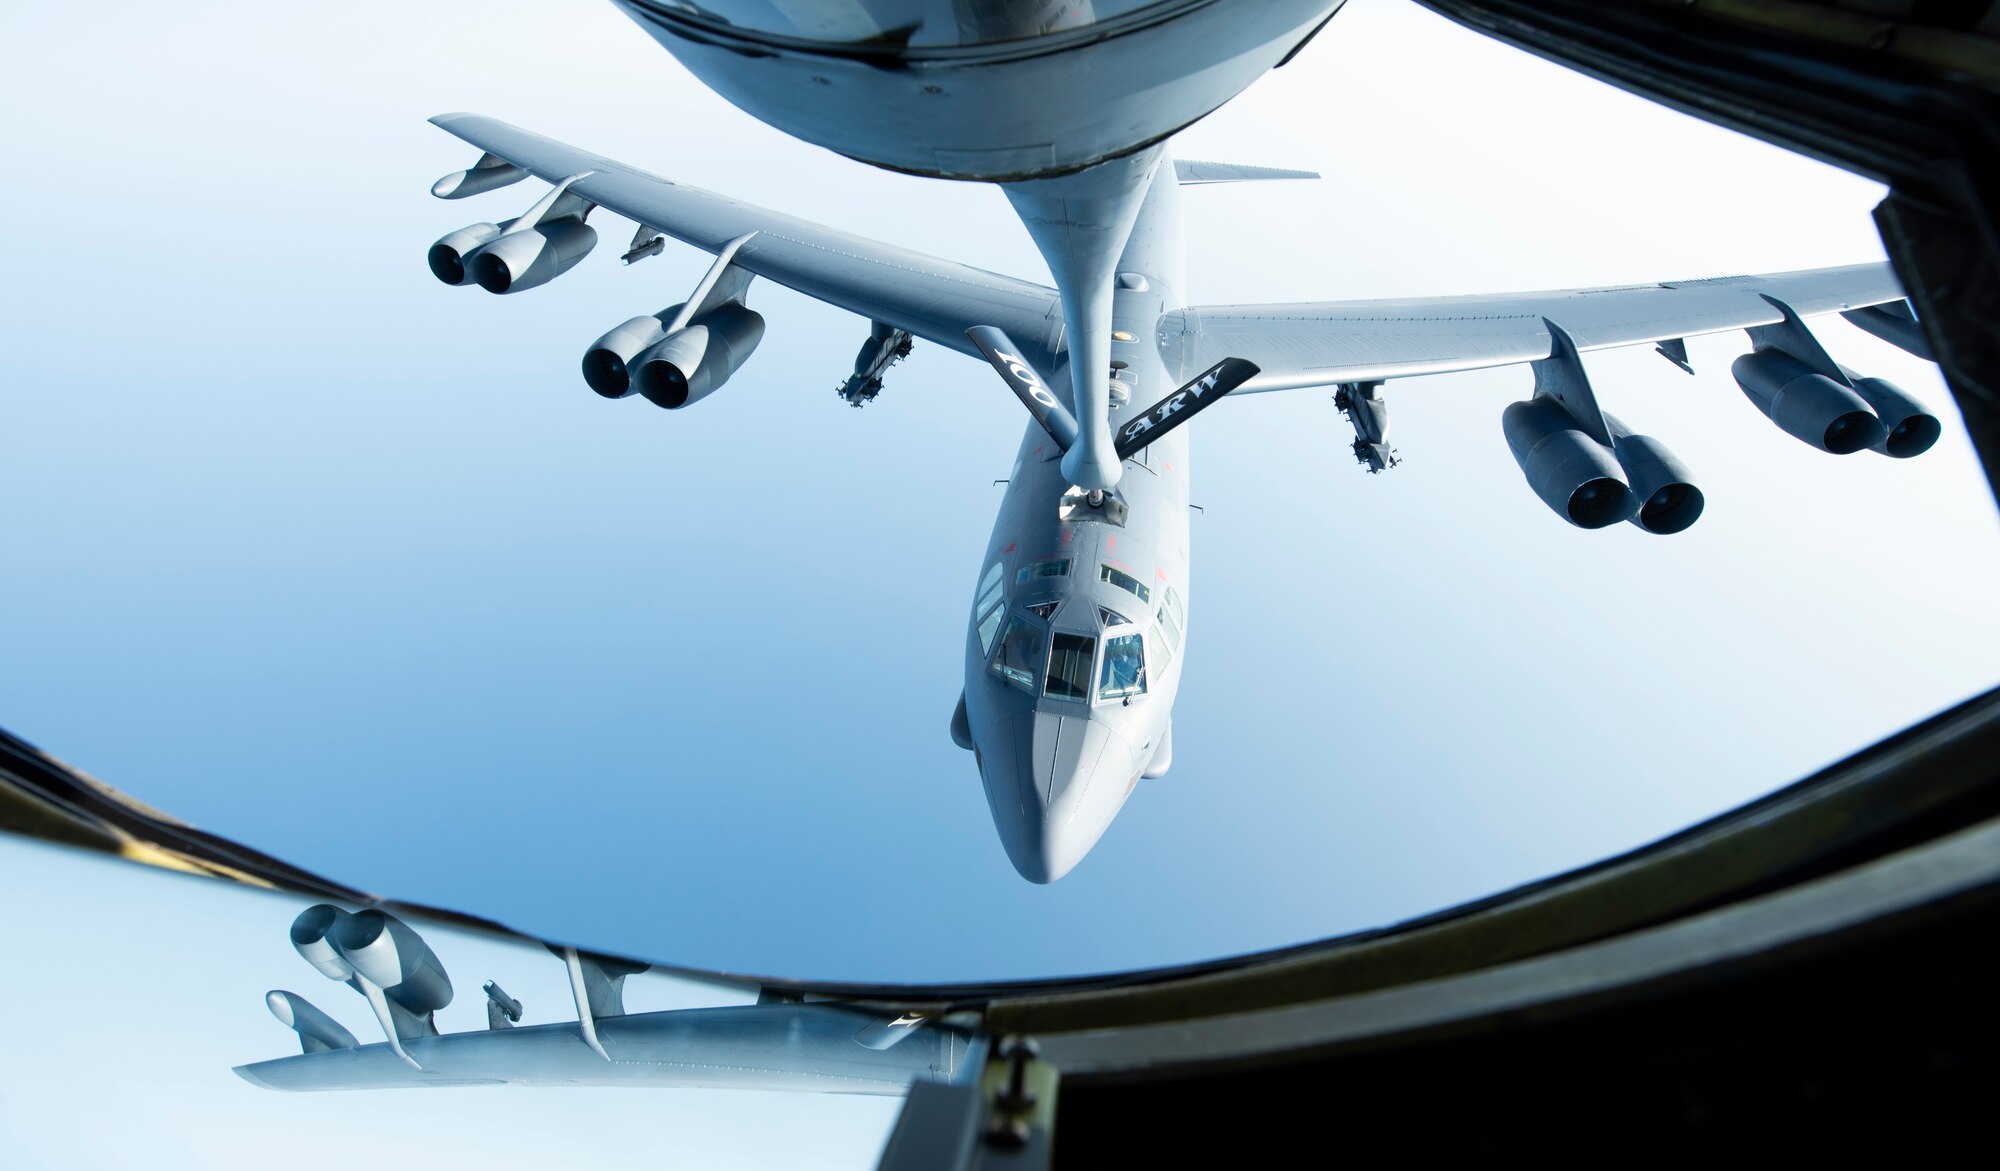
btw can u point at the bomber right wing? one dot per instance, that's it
(1585, 463)
(1332, 342)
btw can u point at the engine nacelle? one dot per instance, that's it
(389, 954)
(1665, 490)
(531, 256)
(607, 364)
(312, 935)
(447, 256)
(691, 363)
(1573, 474)
(1807, 405)
(1912, 429)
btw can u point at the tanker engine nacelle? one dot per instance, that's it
(673, 368)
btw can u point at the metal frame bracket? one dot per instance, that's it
(724, 282)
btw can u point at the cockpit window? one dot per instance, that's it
(1069, 666)
(1124, 668)
(989, 586)
(1126, 582)
(1045, 610)
(1046, 567)
(1171, 618)
(986, 609)
(1019, 654)
(1112, 617)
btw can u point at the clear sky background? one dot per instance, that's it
(318, 553)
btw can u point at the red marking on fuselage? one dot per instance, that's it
(1111, 542)
(1011, 546)
(1168, 466)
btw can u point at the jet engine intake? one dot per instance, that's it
(689, 364)
(1573, 474)
(393, 957)
(1912, 428)
(447, 256)
(607, 363)
(533, 256)
(1807, 405)
(1668, 500)
(312, 935)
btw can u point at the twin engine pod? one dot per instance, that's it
(1591, 486)
(377, 947)
(672, 368)
(507, 261)
(1867, 413)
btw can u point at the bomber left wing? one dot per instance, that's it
(930, 298)
(783, 1042)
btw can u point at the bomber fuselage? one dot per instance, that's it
(1077, 633)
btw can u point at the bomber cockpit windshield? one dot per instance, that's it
(1070, 656)
(1124, 668)
(1020, 653)
(986, 608)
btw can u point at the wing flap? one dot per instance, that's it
(1324, 343)
(934, 299)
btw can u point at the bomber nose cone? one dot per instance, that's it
(1064, 779)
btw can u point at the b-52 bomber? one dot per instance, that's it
(1076, 638)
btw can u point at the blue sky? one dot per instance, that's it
(318, 553)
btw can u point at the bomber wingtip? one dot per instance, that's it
(243, 1071)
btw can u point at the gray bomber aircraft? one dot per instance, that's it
(1076, 640)
(784, 1041)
